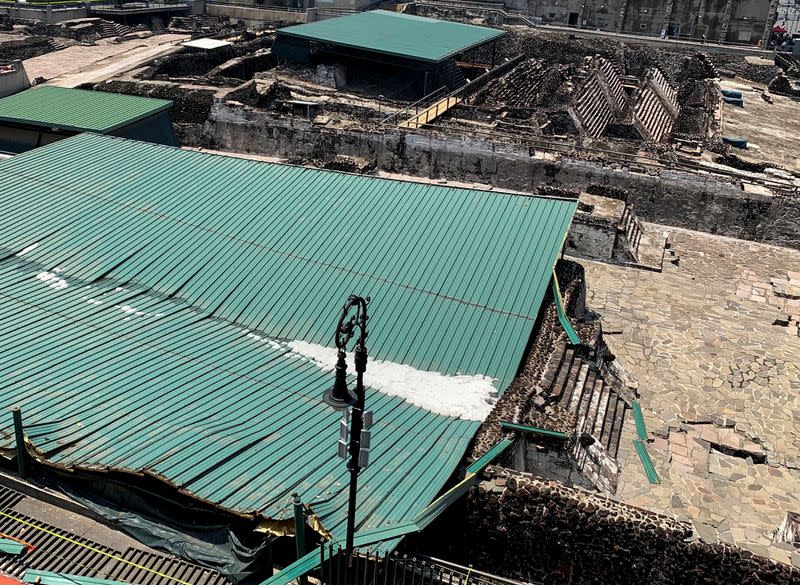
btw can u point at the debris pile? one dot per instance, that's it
(25, 48)
(190, 106)
(744, 69)
(230, 65)
(200, 25)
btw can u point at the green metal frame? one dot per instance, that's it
(49, 578)
(572, 335)
(11, 547)
(313, 559)
(647, 463)
(638, 417)
(527, 429)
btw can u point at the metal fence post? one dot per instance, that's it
(299, 531)
(22, 452)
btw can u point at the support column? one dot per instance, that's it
(581, 12)
(623, 14)
(698, 22)
(22, 452)
(299, 531)
(771, 18)
(726, 21)
(667, 18)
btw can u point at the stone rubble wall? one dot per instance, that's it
(541, 531)
(516, 403)
(665, 196)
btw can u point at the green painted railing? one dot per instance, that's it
(536, 430)
(572, 335)
(647, 463)
(11, 547)
(638, 417)
(48, 578)
(314, 559)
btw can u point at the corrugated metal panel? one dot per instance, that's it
(400, 35)
(77, 110)
(456, 275)
(124, 331)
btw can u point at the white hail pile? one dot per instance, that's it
(468, 397)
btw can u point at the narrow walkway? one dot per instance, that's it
(64, 542)
(430, 114)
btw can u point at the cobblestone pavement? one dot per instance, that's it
(718, 367)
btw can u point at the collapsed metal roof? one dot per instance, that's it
(149, 303)
(400, 35)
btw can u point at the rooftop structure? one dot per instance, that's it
(45, 114)
(399, 35)
(416, 52)
(205, 312)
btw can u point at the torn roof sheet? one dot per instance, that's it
(149, 303)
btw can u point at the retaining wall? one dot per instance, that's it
(541, 531)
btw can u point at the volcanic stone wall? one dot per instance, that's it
(517, 402)
(541, 531)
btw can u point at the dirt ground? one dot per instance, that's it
(771, 129)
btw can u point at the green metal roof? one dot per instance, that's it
(400, 35)
(77, 110)
(146, 304)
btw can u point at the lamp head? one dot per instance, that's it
(339, 397)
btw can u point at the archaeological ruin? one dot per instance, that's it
(650, 431)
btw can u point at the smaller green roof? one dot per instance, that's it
(391, 33)
(79, 110)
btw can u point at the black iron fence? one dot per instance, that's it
(384, 568)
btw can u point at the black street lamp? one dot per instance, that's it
(340, 398)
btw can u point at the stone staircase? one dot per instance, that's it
(598, 412)
(591, 108)
(112, 29)
(56, 44)
(601, 99)
(656, 107)
(577, 386)
(629, 224)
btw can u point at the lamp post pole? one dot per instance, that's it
(341, 398)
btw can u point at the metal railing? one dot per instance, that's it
(420, 105)
(385, 568)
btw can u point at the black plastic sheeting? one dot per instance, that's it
(184, 527)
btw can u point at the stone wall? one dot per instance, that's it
(47, 14)
(254, 16)
(676, 18)
(549, 458)
(591, 237)
(671, 197)
(541, 531)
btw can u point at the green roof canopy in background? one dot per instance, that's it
(77, 110)
(399, 35)
(147, 302)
